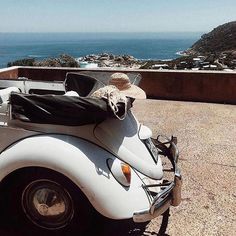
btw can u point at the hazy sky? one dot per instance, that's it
(114, 15)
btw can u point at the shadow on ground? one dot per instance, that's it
(104, 228)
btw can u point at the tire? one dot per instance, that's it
(45, 202)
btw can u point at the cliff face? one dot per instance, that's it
(220, 39)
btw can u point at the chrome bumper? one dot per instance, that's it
(170, 195)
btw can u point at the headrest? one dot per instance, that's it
(5, 93)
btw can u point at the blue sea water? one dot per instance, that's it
(14, 46)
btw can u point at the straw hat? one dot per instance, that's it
(122, 82)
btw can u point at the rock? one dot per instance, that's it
(119, 59)
(128, 58)
(111, 57)
(104, 55)
(104, 58)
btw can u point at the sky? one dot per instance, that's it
(115, 15)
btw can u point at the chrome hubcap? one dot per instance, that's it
(47, 204)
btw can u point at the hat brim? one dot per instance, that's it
(134, 92)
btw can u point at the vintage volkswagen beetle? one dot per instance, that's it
(65, 158)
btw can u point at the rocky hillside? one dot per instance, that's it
(220, 39)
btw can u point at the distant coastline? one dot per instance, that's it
(143, 46)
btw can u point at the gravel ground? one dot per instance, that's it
(206, 139)
(207, 142)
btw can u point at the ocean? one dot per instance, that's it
(164, 46)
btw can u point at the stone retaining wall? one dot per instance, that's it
(202, 86)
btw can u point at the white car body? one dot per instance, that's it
(81, 153)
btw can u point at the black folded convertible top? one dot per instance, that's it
(62, 110)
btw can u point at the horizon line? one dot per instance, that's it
(101, 32)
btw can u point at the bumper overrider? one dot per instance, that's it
(170, 194)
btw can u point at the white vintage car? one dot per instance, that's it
(65, 158)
